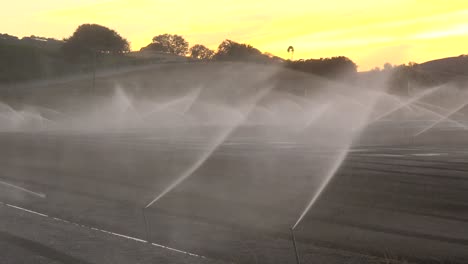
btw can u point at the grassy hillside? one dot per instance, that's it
(35, 58)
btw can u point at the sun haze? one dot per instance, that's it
(369, 32)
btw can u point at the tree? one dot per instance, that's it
(201, 52)
(42, 42)
(291, 51)
(404, 77)
(91, 39)
(4, 38)
(168, 43)
(335, 67)
(387, 66)
(231, 50)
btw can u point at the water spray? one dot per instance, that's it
(407, 103)
(218, 142)
(316, 115)
(456, 110)
(322, 186)
(442, 116)
(37, 194)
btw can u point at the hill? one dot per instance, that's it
(447, 69)
(38, 58)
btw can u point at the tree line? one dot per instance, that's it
(91, 39)
(37, 57)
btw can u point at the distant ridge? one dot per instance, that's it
(447, 69)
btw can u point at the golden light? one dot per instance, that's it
(369, 32)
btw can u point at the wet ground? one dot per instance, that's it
(407, 200)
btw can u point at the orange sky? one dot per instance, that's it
(369, 32)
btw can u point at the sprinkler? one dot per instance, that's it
(148, 233)
(295, 246)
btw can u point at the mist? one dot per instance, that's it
(222, 159)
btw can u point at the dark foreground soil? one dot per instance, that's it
(408, 201)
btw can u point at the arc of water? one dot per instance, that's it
(190, 170)
(41, 109)
(40, 195)
(268, 111)
(351, 99)
(217, 142)
(438, 107)
(424, 106)
(427, 105)
(44, 121)
(407, 103)
(8, 108)
(441, 119)
(121, 106)
(411, 108)
(322, 186)
(331, 173)
(441, 116)
(190, 98)
(196, 95)
(316, 115)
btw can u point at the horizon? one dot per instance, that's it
(205, 147)
(368, 33)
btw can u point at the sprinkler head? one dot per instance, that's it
(296, 253)
(147, 230)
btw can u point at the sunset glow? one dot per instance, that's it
(369, 32)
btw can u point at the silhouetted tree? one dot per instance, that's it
(5, 38)
(19, 62)
(168, 43)
(29, 58)
(91, 39)
(201, 52)
(231, 50)
(328, 67)
(405, 77)
(399, 80)
(387, 66)
(272, 57)
(42, 42)
(291, 51)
